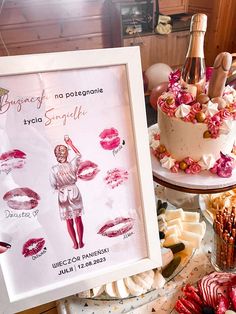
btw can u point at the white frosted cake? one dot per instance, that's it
(195, 135)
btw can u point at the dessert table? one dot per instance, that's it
(161, 301)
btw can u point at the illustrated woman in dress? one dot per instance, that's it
(63, 179)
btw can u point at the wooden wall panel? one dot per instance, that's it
(30, 26)
(233, 43)
(169, 7)
(224, 33)
(221, 34)
(95, 41)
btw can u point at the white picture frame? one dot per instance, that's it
(129, 59)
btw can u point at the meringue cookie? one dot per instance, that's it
(159, 281)
(229, 90)
(133, 288)
(229, 98)
(153, 131)
(207, 162)
(167, 162)
(121, 289)
(210, 108)
(110, 289)
(226, 127)
(182, 111)
(154, 144)
(167, 94)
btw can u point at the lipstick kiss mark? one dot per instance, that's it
(87, 170)
(32, 247)
(116, 177)
(109, 139)
(116, 227)
(4, 247)
(21, 198)
(13, 159)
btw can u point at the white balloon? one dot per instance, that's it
(157, 73)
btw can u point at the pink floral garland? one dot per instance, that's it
(180, 96)
(223, 167)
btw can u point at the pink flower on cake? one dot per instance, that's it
(193, 168)
(169, 110)
(188, 118)
(224, 113)
(174, 169)
(175, 88)
(196, 107)
(184, 97)
(213, 124)
(155, 153)
(174, 82)
(189, 161)
(223, 166)
(174, 77)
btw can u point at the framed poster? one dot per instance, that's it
(77, 207)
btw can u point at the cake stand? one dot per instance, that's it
(197, 183)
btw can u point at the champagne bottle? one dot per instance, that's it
(193, 75)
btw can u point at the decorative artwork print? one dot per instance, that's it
(71, 199)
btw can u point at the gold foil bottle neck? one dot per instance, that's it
(198, 23)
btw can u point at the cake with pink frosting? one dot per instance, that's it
(195, 135)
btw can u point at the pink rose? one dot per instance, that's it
(155, 152)
(169, 110)
(224, 114)
(194, 168)
(189, 161)
(214, 169)
(174, 169)
(196, 107)
(213, 124)
(184, 97)
(188, 118)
